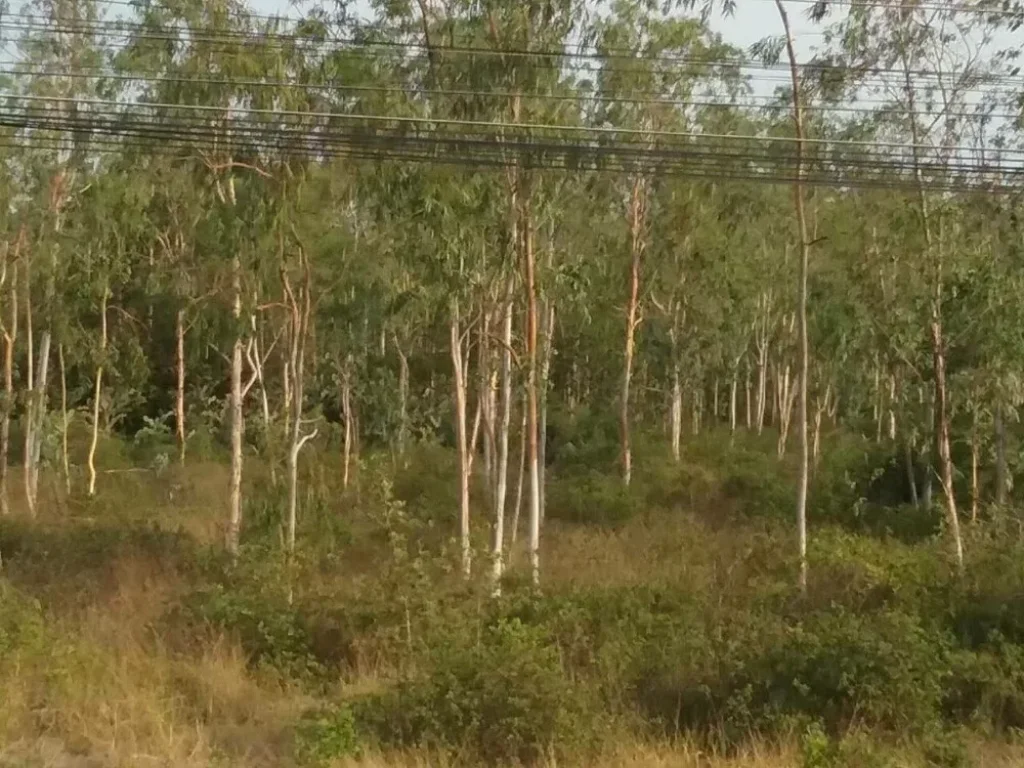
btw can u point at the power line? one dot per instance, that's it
(639, 97)
(373, 118)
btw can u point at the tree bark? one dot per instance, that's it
(10, 336)
(636, 225)
(97, 392)
(529, 270)
(1002, 475)
(179, 391)
(462, 439)
(65, 463)
(801, 216)
(505, 419)
(237, 415)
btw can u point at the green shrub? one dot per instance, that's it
(21, 622)
(326, 735)
(503, 698)
(272, 634)
(591, 497)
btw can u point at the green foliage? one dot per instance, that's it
(325, 736)
(591, 496)
(502, 697)
(22, 627)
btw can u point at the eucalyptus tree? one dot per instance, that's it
(59, 41)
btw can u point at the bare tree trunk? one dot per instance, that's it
(462, 438)
(300, 306)
(892, 407)
(10, 336)
(38, 418)
(347, 416)
(677, 411)
(501, 484)
(1002, 475)
(403, 398)
(636, 223)
(518, 507)
(733, 386)
(485, 396)
(975, 500)
(545, 368)
(179, 391)
(97, 392)
(65, 463)
(750, 421)
(911, 474)
(529, 268)
(798, 192)
(237, 416)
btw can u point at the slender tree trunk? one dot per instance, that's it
(677, 411)
(403, 398)
(65, 463)
(1002, 475)
(911, 474)
(750, 421)
(545, 368)
(529, 269)
(892, 407)
(237, 415)
(798, 194)
(97, 392)
(485, 396)
(520, 481)
(179, 391)
(975, 493)
(733, 386)
(10, 336)
(347, 416)
(38, 417)
(462, 439)
(300, 305)
(501, 484)
(636, 224)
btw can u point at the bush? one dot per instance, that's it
(327, 735)
(504, 698)
(591, 497)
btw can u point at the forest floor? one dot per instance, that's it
(126, 639)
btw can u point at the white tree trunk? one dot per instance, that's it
(237, 416)
(505, 419)
(179, 390)
(10, 335)
(97, 392)
(462, 440)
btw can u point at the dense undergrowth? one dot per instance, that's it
(667, 616)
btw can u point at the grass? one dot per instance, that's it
(105, 661)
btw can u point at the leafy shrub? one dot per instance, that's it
(21, 622)
(271, 634)
(504, 698)
(883, 669)
(590, 497)
(326, 735)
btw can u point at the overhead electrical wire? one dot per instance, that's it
(638, 97)
(162, 127)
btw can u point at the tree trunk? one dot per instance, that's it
(97, 392)
(733, 386)
(529, 270)
(545, 368)
(636, 223)
(36, 419)
(462, 439)
(65, 463)
(347, 416)
(911, 474)
(798, 195)
(505, 419)
(237, 415)
(974, 471)
(403, 398)
(10, 336)
(1002, 475)
(179, 392)
(300, 305)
